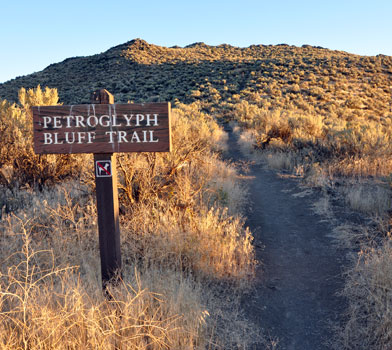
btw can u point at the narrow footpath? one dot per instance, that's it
(295, 298)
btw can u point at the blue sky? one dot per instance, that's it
(37, 33)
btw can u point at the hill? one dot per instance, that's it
(305, 78)
(323, 116)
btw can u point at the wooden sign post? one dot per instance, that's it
(107, 205)
(103, 128)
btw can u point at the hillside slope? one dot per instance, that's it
(324, 116)
(306, 78)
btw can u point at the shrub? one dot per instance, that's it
(19, 165)
(181, 239)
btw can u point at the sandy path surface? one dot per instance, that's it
(295, 297)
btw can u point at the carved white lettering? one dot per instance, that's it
(122, 137)
(144, 136)
(135, 136)
(79, 119)
(92, 121)
(69, 118)
(91, 136)
(57, 122)
(81, 137)
(46, 121)
(67, 139)
(128, 119)
(110, 133)
(101, 121)
(139, 118)
(47, 138)
(114, 120)
(56, 139)
(154, 118)
(152, 137)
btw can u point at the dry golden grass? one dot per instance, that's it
(350, 156)
(209, 243)
(369, 289)
(184, 245)
(344, 147)
(369, 198)
(44, 306)
(324, 150)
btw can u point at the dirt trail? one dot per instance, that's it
(295, 298)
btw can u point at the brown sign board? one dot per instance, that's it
(102, 128)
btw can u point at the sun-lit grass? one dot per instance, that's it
(45, 306)
(183, 243)
(369, 289)
(348, 156)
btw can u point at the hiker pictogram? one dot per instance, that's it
(103, 168)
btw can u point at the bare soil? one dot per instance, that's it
(294, 301)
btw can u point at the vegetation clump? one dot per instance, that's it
(183, 243)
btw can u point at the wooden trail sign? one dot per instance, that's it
(103, 128)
